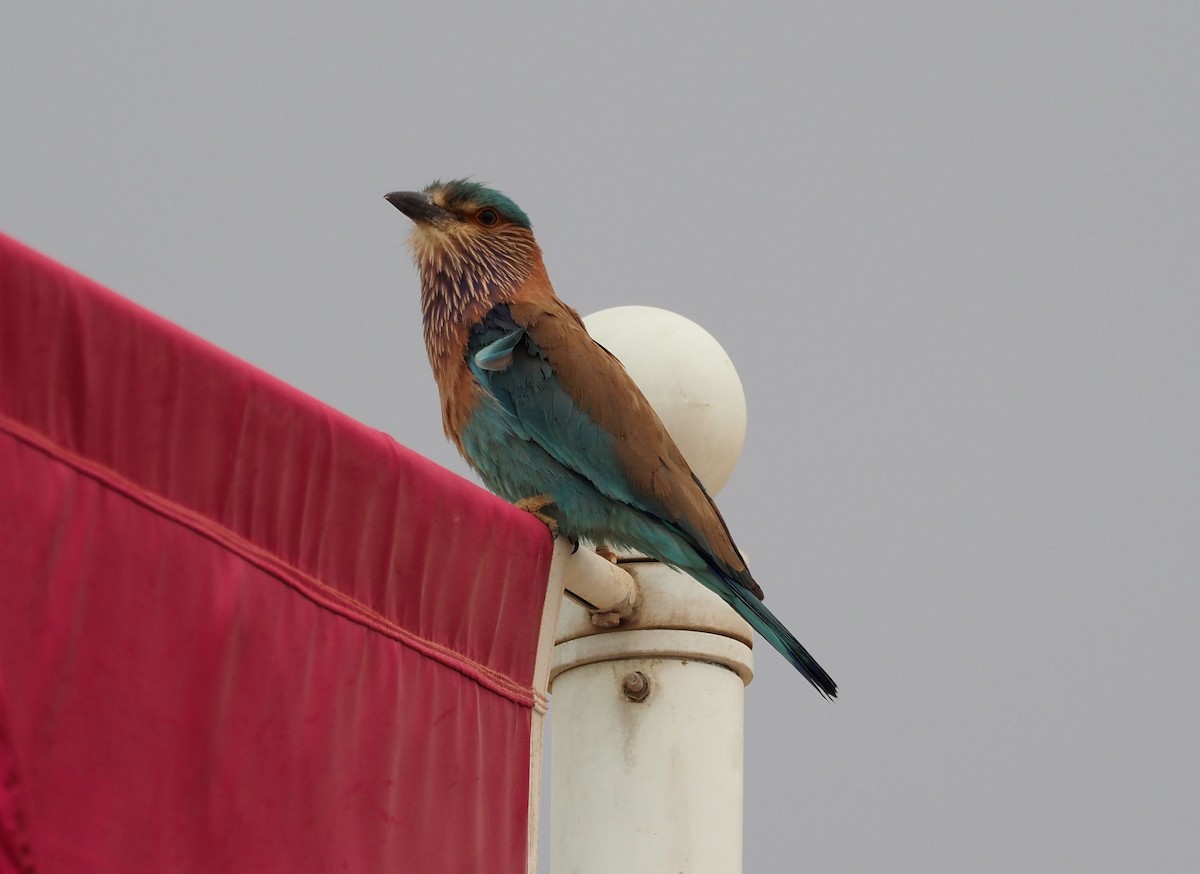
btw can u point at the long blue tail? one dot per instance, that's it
(667, 543)
(769, 628)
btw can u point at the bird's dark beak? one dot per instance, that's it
(417, 206)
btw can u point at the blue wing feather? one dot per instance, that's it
(498, 354)
(529, 391)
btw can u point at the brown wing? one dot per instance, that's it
(655, 467)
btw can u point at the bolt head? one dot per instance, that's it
(636, 686)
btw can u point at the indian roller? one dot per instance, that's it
(548, 417)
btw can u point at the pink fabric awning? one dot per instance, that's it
(239, 631)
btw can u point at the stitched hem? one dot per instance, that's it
(324, 596)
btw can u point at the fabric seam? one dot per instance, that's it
(323, 596)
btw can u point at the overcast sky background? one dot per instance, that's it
(951, 249)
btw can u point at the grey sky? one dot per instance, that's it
(950, 247)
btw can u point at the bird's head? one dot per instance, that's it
(468, 240)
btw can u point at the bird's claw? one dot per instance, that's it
(534, 506)
(534, 503)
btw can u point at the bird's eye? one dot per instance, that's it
(488, 217)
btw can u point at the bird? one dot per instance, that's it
(549, 418)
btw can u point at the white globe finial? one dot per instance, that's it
(688, 379)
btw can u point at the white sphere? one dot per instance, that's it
(688, 379)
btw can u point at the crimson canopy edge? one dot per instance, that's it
(238, 630)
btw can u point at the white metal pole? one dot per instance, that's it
(646, 763)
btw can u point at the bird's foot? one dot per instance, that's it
(606, 553)
(534, 503)
(534, 506)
